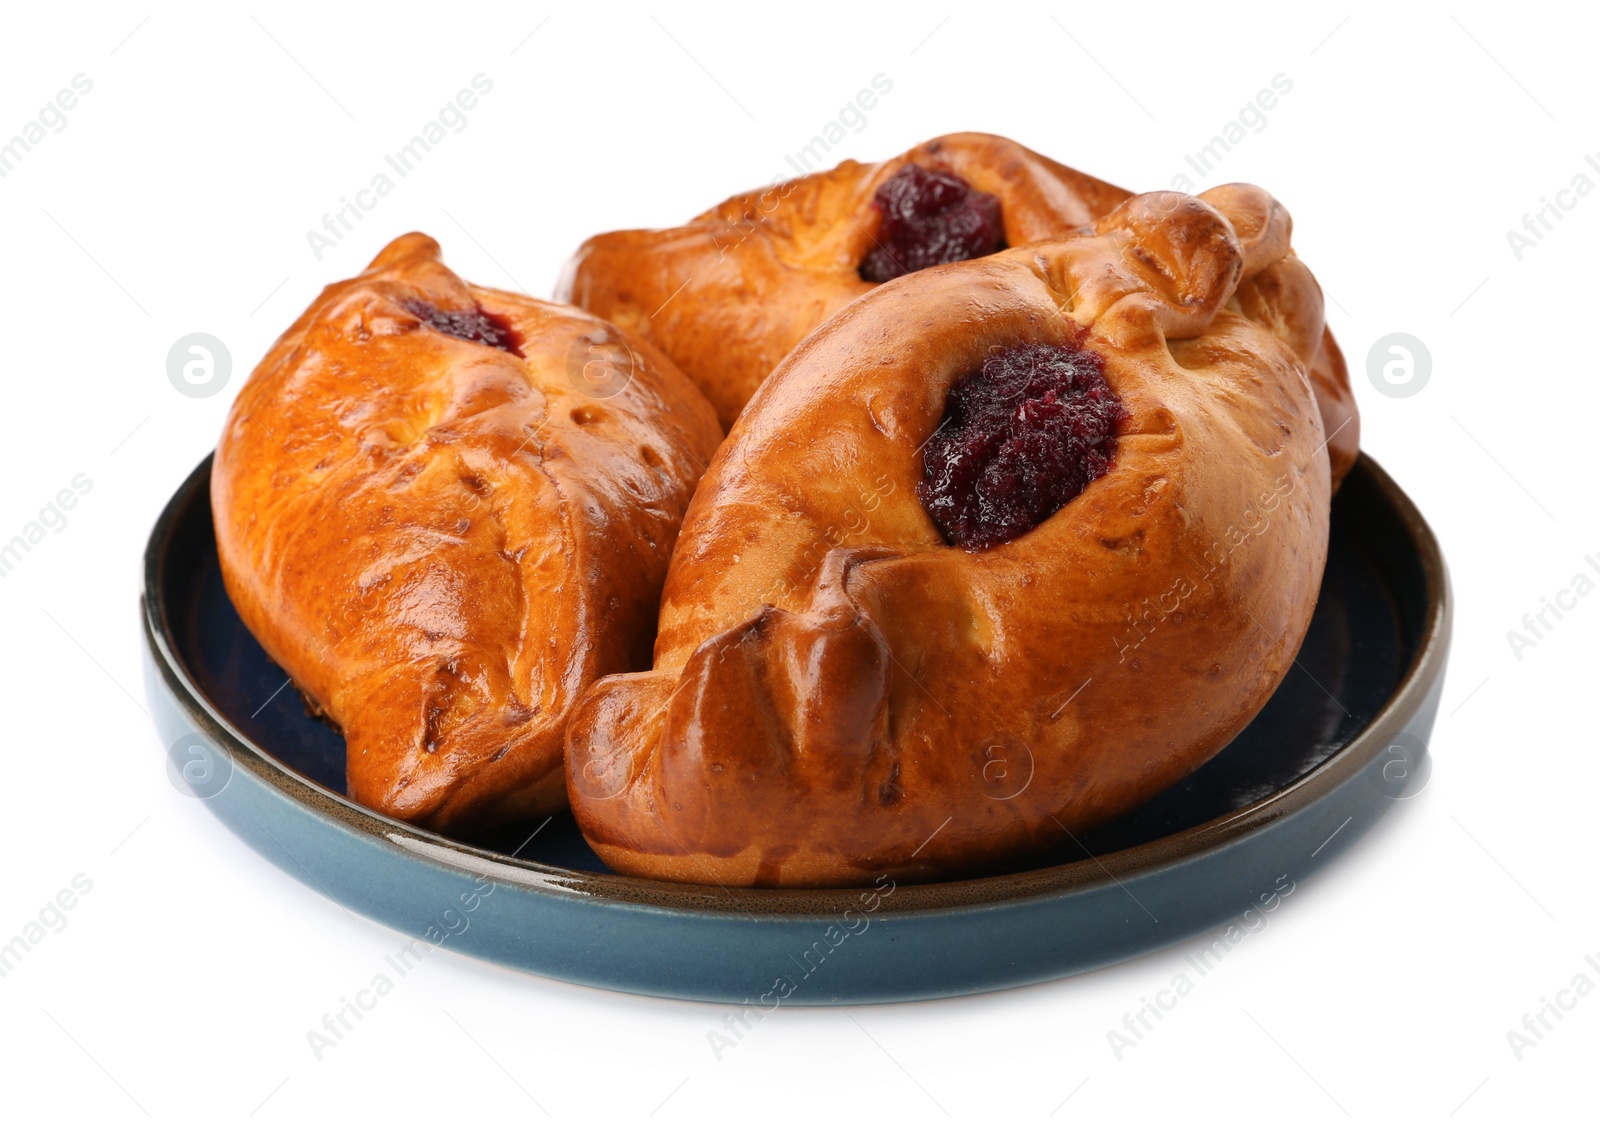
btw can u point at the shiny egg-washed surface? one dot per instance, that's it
(729, 294)
(885, 680)
(442, 536)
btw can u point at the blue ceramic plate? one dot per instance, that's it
(1338, 744)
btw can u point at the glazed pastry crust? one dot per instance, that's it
(839, 695)
(729, 294)
(444, 543)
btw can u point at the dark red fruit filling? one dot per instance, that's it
(1020, 438)
(930, 218)
(472, 325)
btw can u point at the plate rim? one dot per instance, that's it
(1414, 686)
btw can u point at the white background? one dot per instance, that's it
(177, 199)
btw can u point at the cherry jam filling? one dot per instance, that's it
(1021, 437)
(930, 218)
(472, 325)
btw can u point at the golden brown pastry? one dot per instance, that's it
(727, 295)
(1002, 550)
(444, 531)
